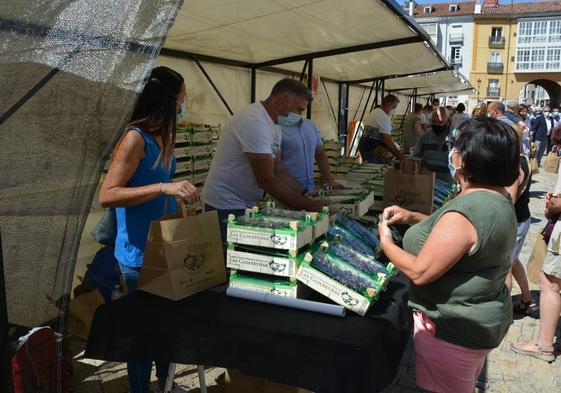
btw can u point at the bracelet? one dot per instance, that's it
(160, 189)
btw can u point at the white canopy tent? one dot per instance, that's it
(242, 48)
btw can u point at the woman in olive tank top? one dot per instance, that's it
(458, 258)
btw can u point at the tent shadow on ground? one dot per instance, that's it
(537, 194)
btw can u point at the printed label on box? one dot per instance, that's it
(266, 264)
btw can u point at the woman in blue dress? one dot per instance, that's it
(139, 186)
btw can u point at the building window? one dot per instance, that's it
(495, 57)
(432, 31)
(539, 45)
(456, 54)
(427, 10)
(453, 7)
(497, 33)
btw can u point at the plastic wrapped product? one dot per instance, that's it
(262, 222)
(358, 260)
(346, 237)
(365, 234)
(347, 275)
(282, 213)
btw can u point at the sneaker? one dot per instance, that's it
(175, 389)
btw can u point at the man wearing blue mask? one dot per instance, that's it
(247, 162)
(301, 146)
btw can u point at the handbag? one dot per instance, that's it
(105, 232)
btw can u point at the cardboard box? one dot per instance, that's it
(235, 382)
(292, 238)
(262, 284)
(333, 290)
(356, 206)
(276, 265)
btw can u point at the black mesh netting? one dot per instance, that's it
(69, 72)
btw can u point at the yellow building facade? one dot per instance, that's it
(500, 71)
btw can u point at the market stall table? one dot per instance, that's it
(322, 353)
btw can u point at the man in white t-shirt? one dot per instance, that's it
(247, 161)
(377, 136)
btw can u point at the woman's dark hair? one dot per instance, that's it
(155, 111)
(460, 108)
(490, 152)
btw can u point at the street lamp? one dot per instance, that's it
(478, 86)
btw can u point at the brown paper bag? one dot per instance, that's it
(81, 311)
(412, 190)
(534, 166)
(551, 163)
(183, 256)
(537, 258)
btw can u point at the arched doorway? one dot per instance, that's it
(541, 92)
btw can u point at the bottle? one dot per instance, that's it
(116, 293)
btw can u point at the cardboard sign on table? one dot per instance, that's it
(183, 256)
(409, 187)
(537, 258)
(551, 162)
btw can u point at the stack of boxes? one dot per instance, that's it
(266, 247)
(194, 147)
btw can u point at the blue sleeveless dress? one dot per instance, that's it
(133, 223)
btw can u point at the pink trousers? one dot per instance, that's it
(443, 367)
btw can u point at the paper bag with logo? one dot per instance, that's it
(410, 188)
(551, 163)
(183, 256)
(535, 263)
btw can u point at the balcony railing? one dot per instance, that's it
(493, 92)
(455, 61)
(496, 42)
(495, 68)
(456, 38)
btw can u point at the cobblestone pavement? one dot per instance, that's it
(505, 371)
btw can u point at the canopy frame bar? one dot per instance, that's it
(216, 90)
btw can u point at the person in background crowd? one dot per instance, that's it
(139, 185)
(449, 111)
(525, 125)
(439, 117)
(541, 129)
(480, 111)
(511, 111)
(377, 137)
(432, 148)
(458, 259)
(556, 116)
(457, 119)
(301, 146)
(496, 110)
(426, 118)
(247, 160)
(413, 128)
(520, 194)
(550, 286)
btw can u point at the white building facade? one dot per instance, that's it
(451, 28)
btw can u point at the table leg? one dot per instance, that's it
(202, 381)
(170, 378)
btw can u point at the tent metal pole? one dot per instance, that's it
(5, 366)
(253, 83)
(310, 82)
(394, 76)
(340, 51)
(209, 79)
(343, 113)
(329, 101)
(303, 71)
(359, 101)
(368, 100)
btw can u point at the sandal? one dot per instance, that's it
(524, 307)
(541, 352)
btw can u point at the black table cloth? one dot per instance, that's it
(322, 353)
